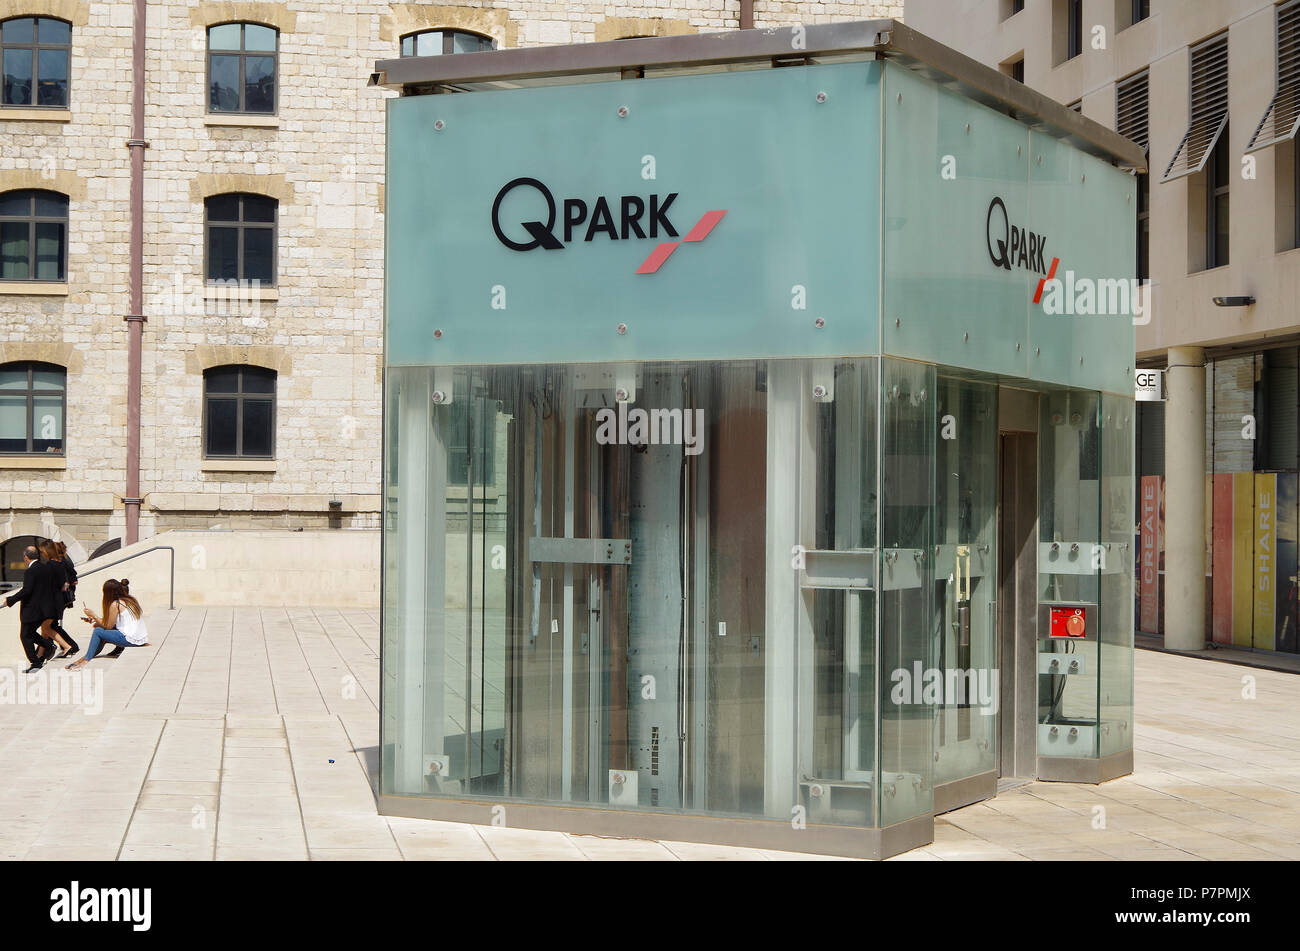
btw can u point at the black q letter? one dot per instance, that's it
(1001, 257)
(543, 234)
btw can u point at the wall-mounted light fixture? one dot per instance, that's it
(1233, 301)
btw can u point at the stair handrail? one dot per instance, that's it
(171, 592)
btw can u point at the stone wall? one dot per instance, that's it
(321, 156)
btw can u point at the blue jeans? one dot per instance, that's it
(99, 637)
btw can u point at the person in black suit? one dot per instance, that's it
(40, 596)
(65, 576)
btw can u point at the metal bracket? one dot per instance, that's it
(823, 381)
(580, 551)
(443, 386)
(839, 570)
(623, 787)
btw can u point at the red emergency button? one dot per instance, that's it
(1068, 622)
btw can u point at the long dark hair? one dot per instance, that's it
(115, 590)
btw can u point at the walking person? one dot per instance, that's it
(54, 628)
(40, 594)
(122, 622)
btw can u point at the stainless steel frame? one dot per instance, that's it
(738, 49)
(780, 835)
(965, 791)
(1085, 769)
(1017, 581)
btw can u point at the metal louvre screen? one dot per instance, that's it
(1209, 108)
(1282, 117)
(1131, 109)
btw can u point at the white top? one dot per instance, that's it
(132, 627)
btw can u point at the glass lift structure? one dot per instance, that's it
(744, 480)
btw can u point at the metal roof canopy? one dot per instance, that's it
(755, 49)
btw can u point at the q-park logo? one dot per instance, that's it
(551, 224)
(1011, 245)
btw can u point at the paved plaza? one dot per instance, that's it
(252, 734)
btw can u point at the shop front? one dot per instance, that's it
(756, 469)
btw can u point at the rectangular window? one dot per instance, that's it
(1129, 12)
(1074, 41)
(1218, 175)
(34, 53)
(15, 251)
(31, 409)
(18, 77)
(242, 68)
(239, 413)
(1131, 110)
(1276, 398)
(13, 418)
(222, 427)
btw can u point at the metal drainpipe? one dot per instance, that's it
(746, 14)
(135, 318)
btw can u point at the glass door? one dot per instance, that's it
(965, 578)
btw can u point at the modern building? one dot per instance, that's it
(1212, 90)
(191, 263)
(797, 511)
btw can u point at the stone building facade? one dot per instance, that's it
(319, 154)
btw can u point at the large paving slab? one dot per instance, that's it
(248, 733)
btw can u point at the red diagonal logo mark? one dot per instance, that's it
(659, 255)
(1042, 281)
(704, 226)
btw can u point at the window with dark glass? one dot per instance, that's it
(1132, 101)
(1277, 399)
(442, 42)
(33, 236)
(1218, 174)
(242, 68)
(239, 413)
(1143, 186)
(1074, 26)
(241, 238)
(34, 55)
(32, 407)
(1139, 11)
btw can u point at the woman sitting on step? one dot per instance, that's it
(122, 623)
